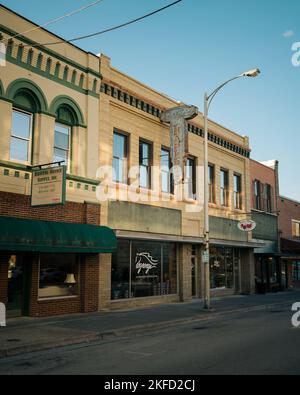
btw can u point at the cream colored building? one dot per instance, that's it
(110, 119)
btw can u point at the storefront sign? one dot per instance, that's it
(48, 186)
(145, 262)
(247, 225)
(205, 257)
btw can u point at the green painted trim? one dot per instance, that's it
(52, 77)
(66, 100)
(51, 52)
(15, 166)
(83, 180)
(1, 89)
(6, 99)
(22, 83)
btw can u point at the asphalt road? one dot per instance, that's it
(258, 342)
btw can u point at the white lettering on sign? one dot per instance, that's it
(2, 314)
(144, 261)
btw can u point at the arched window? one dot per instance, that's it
(65, 120)
(27, 99)
(25, 105)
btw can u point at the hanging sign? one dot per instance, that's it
(246, 225)
(48, 186)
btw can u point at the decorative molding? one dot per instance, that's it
(140, 104)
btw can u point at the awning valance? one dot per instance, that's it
(42, 236)
(291, 247)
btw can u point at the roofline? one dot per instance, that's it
(289, 199)
(64, 41)
(262, 164)
(177, 102)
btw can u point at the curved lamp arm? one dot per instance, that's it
(250, 73)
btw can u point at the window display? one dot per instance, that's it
(221, 268)
(144, 269)
(59, 275)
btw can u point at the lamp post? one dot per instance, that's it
(207, 102)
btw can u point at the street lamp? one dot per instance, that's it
(207, 102)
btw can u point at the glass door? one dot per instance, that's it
(17, 292)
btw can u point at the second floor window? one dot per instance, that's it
(257, 195)
(120, 158)
(296, 228)
(211, 183)
(268, 198)
(224, 185)
(62, 143)
(20, 142)
(237, 191)
(166, 177)
(191, 178)
(145, 165)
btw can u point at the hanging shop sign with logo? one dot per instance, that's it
(48, 186)
(246, 225)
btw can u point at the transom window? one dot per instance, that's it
(62, 144)
(20, 143)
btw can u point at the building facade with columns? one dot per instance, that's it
(62, 104)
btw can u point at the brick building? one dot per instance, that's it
(265, 192)
(50, 257)
(289, 228)
(64, 104)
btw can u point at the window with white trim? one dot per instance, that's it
(21, 134)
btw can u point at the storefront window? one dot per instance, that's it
(296, 271)
(221, 268)
(59, 276)
(144, 269)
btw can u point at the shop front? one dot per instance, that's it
(225, 266)
(51, 268)
(144, 269)
(290, 261)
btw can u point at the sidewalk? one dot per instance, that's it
(25, 335)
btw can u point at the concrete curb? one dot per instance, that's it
(114, 333)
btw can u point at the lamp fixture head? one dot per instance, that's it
(251, 73)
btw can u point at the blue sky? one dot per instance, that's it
(195, 46)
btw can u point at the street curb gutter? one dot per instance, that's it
(98, 336)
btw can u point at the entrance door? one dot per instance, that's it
(18, 280)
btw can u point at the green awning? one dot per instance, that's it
(42, 236)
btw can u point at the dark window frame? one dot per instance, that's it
(150, 164)
(224, 191)
(237, 194)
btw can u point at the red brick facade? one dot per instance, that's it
(266, 175)
(288, 210)
(14, 205)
